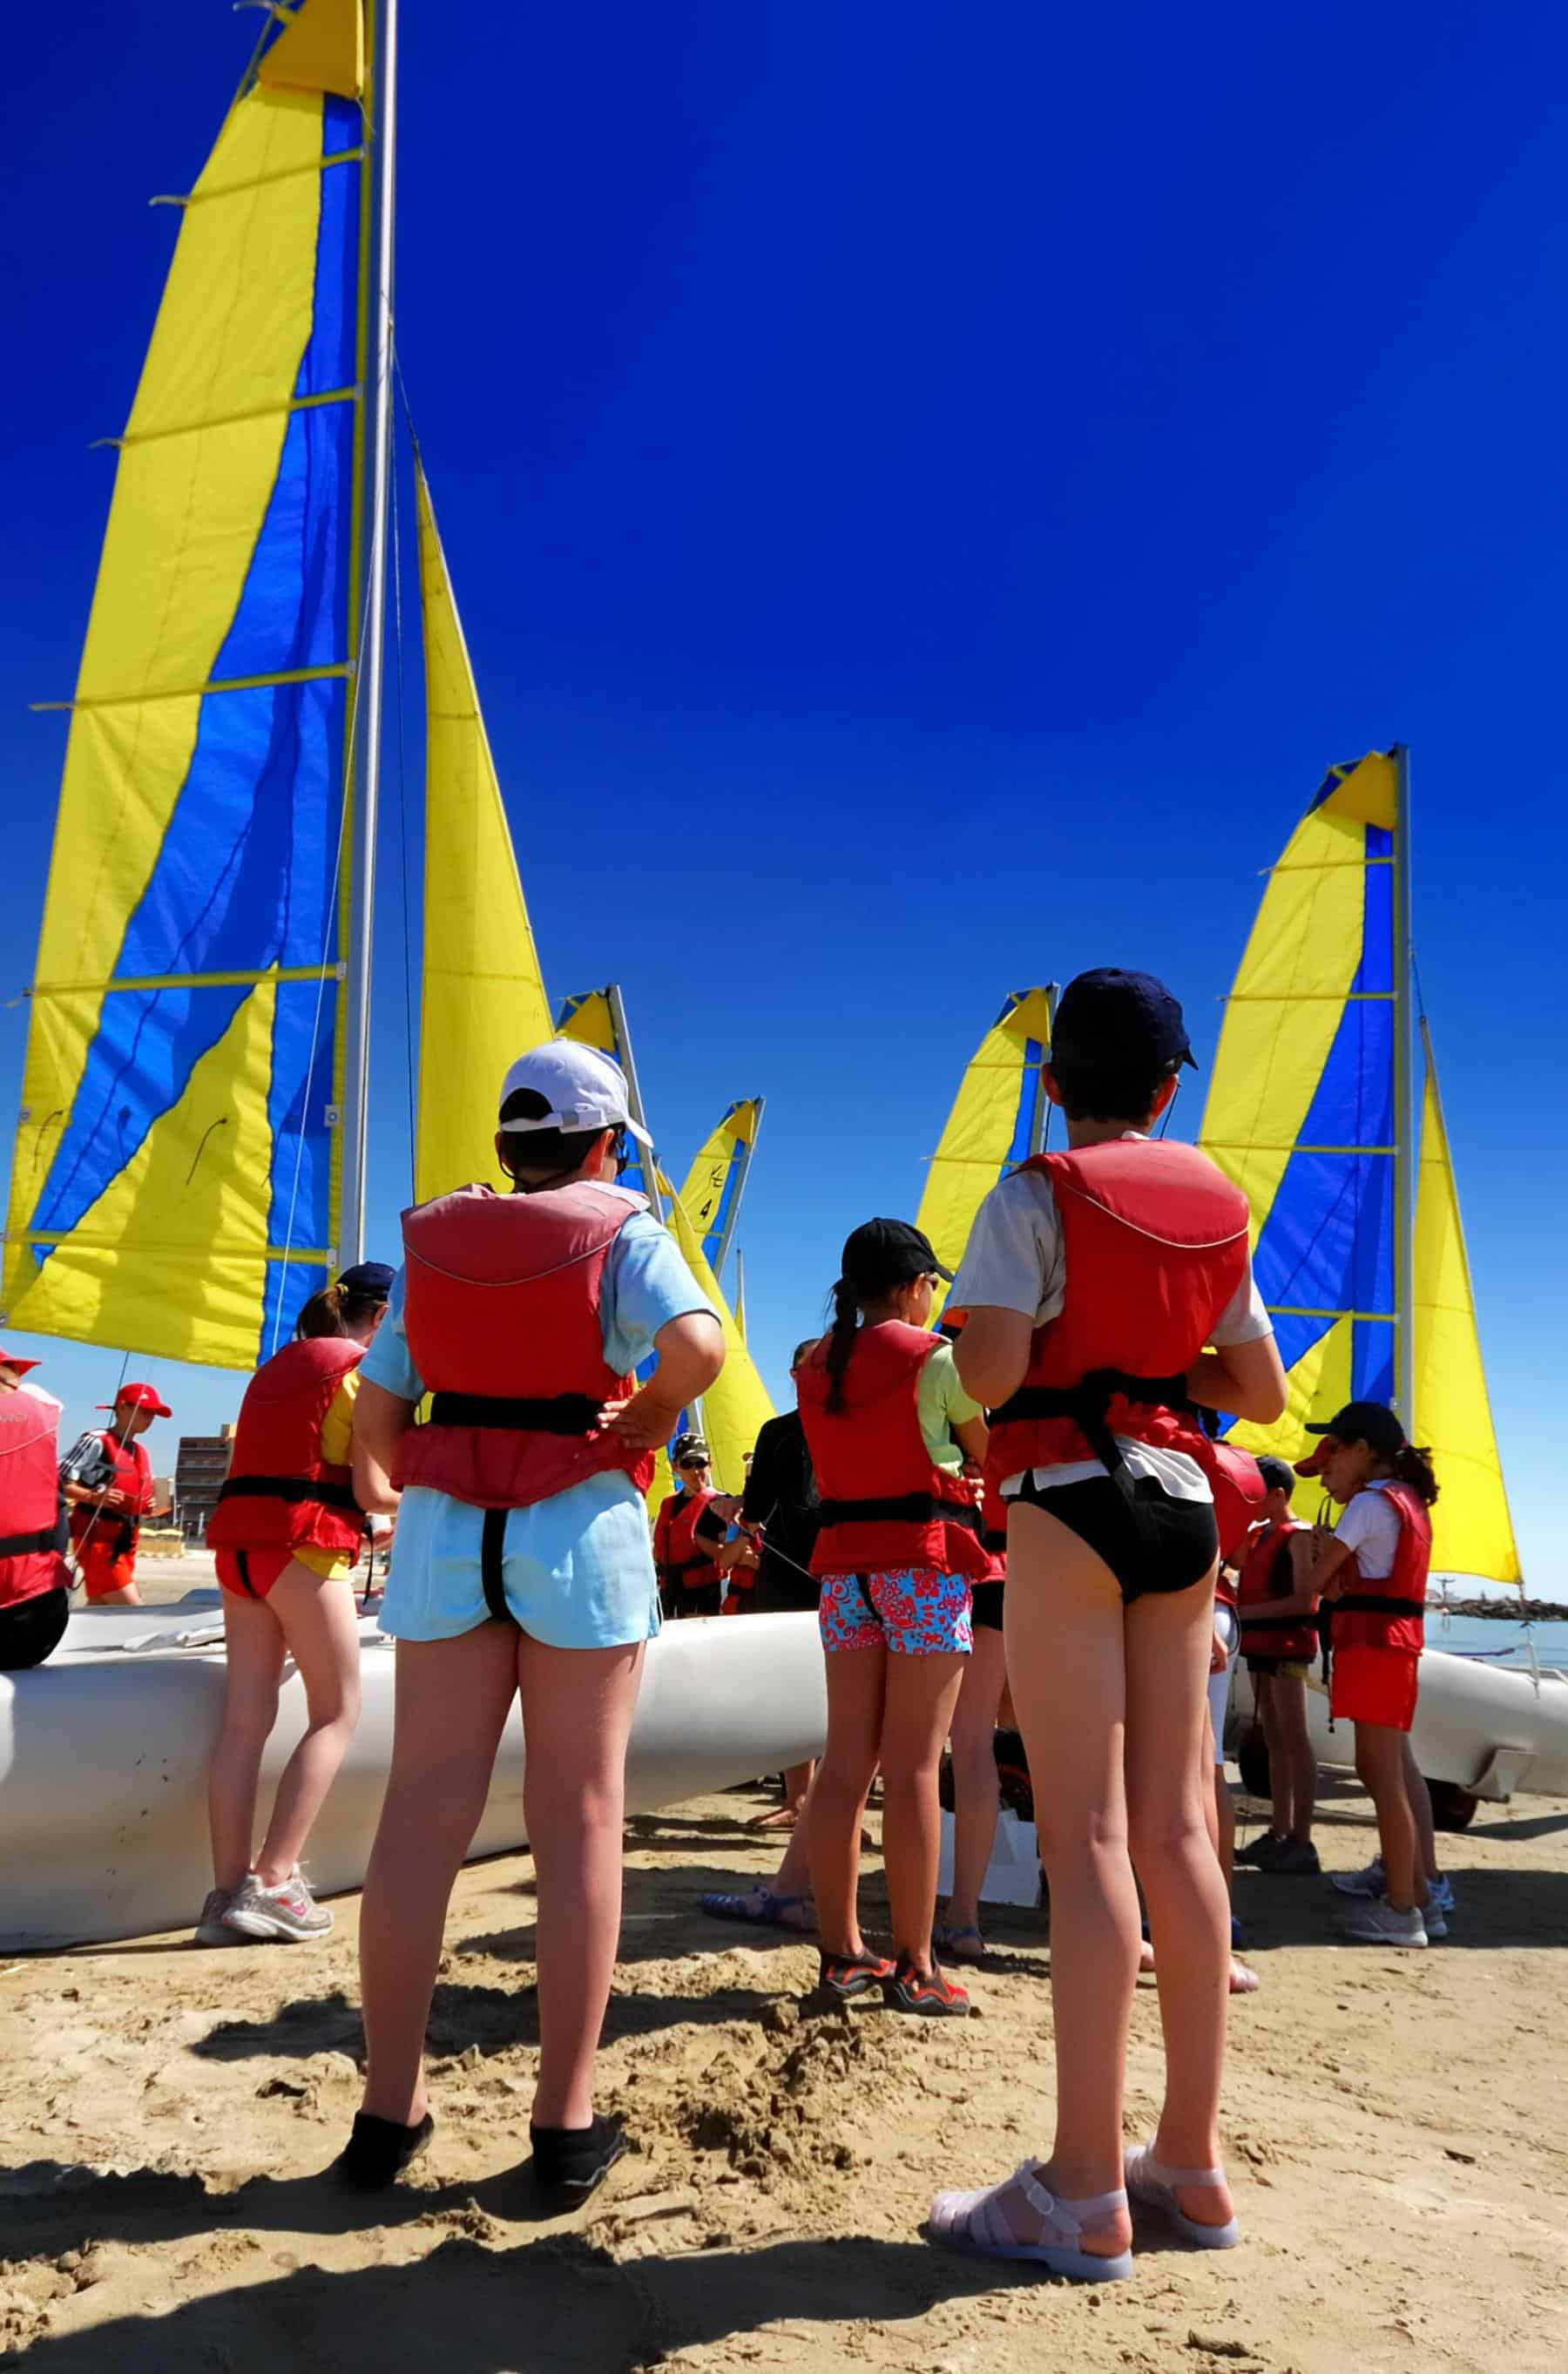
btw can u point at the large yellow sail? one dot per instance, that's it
(716, 1182)
(175, 1183)
(998, 1119)
(483, 1000)
(736, 1405)
(1473, 1532)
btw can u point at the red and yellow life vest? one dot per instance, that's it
(886, 1503)
(1390, 1611)
(501, 1311)
(1267, 1566)
(1154, 1247)
(281, 1494)
(32, 1535)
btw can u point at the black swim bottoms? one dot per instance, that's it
(1153, 1543)
(31, 1628)
(986, 1613)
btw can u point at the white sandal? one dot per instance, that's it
(1150, 2181)
(975, 2222)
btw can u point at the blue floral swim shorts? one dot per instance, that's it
(914, 1612)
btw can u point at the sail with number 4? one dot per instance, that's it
(715, 1186)
(1309, 1112)
(183, 1072)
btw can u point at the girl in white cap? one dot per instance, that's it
(521, 1567)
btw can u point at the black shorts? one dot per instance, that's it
(986, 1613)
(1152, 1543)
(32, 1631)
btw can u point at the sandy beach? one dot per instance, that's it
(1391, 2123)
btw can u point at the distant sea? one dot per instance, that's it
(1501, 1641)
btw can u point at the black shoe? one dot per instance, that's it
(379, 2150)
(570, 2163)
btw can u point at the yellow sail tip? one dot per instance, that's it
(321, 47)
(1366, 793)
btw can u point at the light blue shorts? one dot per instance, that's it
(577, 1569)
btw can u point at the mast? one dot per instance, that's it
(367, 759)
(1405, 1133)
(634, 1092)
(1041, 1121)
(744, 1172)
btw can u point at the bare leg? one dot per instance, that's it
(1065, 1659)
(321, 1630)
(577, 1716)
(253, 1668)
(1278, 1778)
(1225, 1820)
(1290, 1752)
(1380, 1764)
(921, 1693)
(1420, 1797)
(856, 1681)
(976, 1797)
(453, 1701)
(1171, 1808)
(126, 1597)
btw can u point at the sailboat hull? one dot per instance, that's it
(103, 1756)
(1486, 1731)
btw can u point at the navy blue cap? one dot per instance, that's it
(1110, 1018)
(1373, 1423)
(374, 1278)
(882, 1254)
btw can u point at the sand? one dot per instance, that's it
(1393, 2125)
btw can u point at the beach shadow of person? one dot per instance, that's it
(559, 2304)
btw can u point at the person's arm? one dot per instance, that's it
(972, 1435)
(992, 1353)
(1329, 1576)
(690, 1353)
(380, 1421)
(1248, 1379)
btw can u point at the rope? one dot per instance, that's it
(402, 808)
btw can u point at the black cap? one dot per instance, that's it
(885, 1253)
(1278, 1475)
(1111, 1018)
(1370, 1422)
(689, 1446)
(372, 1278)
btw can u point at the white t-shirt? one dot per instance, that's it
(1370, 1526)
(1016, 1260)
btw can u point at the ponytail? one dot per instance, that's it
(1414, 1467)
(840, 1344)
(337, 1310)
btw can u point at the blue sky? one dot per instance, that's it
(929, 492)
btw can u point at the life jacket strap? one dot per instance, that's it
(558, 1414)
(492, 1564)
(26, 1544)
(1250, 1622)
(331, 1494)
(1374, 1602)
(1088, 1403)
(905, 1509)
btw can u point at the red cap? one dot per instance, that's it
(140, 1397)
(1315, 1461)
(14, 1360)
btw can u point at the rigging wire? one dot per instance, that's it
(403, 801)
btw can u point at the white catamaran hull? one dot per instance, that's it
(1482, 1729)
(103, 1756)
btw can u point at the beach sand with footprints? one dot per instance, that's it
(1393, 2125)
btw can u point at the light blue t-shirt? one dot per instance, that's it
(577, 1569)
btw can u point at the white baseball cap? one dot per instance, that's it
(583, 1088)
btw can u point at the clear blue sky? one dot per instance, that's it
(929, 492)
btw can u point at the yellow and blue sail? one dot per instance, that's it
(1300, 1109)
(181, 1074)
(997, 1122)
(715, 1185)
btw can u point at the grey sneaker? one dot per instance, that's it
(1376, 1922)
(1369, 1882)
(1440, 1892)
(1435, 1921)
(288, 1912)
(212, 1928)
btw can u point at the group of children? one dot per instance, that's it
(1105, 1301)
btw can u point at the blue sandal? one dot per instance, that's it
(951, 1943)
(773, 1914)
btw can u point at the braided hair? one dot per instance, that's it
(840, 1342)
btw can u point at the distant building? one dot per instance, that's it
(200, 1471)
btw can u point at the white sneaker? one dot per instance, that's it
(1369, 1882)
(212, 1928)
(1376, 1922)
(1435, 1921)
(288, 1912)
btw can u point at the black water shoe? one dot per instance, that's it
(570, 2163)
(379, 2150)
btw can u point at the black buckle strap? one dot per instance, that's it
(1374, 1602)
(1250, 1622)
(909, 1509)
(492, 1554)
(559, 1413)
(1088, 1403)
(25, 1545)
(291, 1487)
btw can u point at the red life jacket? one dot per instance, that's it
(1390, 1611)
(886, 1503)
(32, 1535)
(1154, 1246)
(683, 1563)
(108, 1530)
(1273, 1639)
(1238, 1487)
(281, 1494)
(501, 1310)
